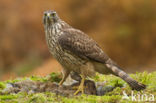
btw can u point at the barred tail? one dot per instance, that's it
(118, 72)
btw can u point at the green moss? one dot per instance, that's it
(2, 85)
(54, 77)
(114, 96)
(8, 97)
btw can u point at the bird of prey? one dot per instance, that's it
(79, 53)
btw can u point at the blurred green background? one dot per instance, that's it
(125, 29)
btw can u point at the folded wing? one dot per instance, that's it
(81, 45)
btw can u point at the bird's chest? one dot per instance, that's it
(64, 57)
(55, 48)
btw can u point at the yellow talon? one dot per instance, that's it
(75, 87)
(61, 82)
(81, 87)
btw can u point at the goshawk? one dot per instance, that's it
(79, 53)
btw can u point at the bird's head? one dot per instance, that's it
(50, 18)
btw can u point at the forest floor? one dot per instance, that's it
(109, 89)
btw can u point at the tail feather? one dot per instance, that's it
(134, 84)
(118, 72)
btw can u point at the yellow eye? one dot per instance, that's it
(53, 14)
(45, 14)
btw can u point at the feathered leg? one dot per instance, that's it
(65, 73)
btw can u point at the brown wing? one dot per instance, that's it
(81, 45)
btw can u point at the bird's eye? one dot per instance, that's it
(53, 14)
(45, 14)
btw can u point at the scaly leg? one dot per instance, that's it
(81, 87)
(65, 75)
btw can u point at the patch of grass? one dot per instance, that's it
(114, 96)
